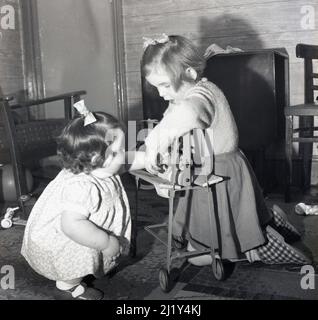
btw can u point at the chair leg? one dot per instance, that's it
(289, 160)
(306, 151)
(21, 188)
(306, 166)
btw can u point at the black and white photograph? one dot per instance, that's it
(159, 154)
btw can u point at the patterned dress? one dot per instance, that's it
(53, 254)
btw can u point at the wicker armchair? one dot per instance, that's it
(23, 144)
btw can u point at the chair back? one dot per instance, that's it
(308, 53)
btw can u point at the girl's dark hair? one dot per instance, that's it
(174, 56)
(82, 149)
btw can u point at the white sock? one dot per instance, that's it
(67, 285)
(252, 256)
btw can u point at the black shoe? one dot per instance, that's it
(283, 226)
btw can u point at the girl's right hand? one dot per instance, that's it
(151, 162)
(113, 248)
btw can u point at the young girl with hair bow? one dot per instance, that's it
(248, 230)
(81, 223)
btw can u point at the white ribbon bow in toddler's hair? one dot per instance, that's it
(148, 41)
(82, 110)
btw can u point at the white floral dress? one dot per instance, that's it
(54, 255)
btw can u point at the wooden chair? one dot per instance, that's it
(305, 113)
(31, 140)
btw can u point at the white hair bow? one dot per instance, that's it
(149, 41)
(82, 110)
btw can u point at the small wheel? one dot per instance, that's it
(218, 269)
(6, 223)
(164, 280)
(25, 197)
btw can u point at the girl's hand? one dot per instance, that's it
(135, 160)
(151, 162)
(113, 247)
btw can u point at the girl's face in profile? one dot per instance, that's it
(160, 79)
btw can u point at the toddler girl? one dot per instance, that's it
(248, 229)
(81, 223)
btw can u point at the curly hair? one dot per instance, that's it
(82, 149)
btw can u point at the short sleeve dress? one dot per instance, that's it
(54, 255)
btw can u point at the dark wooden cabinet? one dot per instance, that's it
(256, 85)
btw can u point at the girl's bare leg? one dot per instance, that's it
(69, 284)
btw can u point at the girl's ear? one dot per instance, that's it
(95, 159)
(191, 73)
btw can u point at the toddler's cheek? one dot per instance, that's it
(108, 161)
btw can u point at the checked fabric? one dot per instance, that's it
(277, 251)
